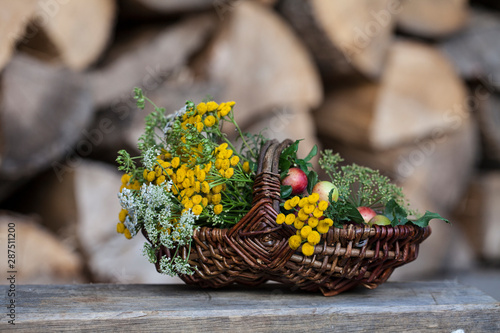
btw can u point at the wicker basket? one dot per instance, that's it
(256, 249)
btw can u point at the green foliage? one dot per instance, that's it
(361, 186)
(126, 164)
(155, 121)
(288, 159)
(342, 211)
(399, 216)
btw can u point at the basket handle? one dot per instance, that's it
(268, 163)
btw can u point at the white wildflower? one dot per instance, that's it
(149, 158)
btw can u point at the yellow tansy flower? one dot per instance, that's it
(303, 202)
(314, 237)
(290, 218)
(196, 199)
(280, 218)
(294, 201)
(298, 224)
(216, 198)
(302, 216)
(205, 188)
(188, 204)
(323, 205)
(234, 160)
(308, 209)
(218, 209)
(122, 215)
(127, 234)
(229, 173)
(225, 111)
(125, 178)
(305, 231)
(120, 227)
(151, 176)
(197, 209)
(307, 249)
(322, 227)
(313, 198)
(317, 212)
(201, 108)
(294, 242)
(212, 106)
(246, 167)
(312, 222)
(160, 180)
(329, 222)
(175, 162)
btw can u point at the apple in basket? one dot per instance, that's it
(367, 213)
(324, 188)
(379, 220)
(297, 179)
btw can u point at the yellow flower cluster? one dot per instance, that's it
(191, 181)
(206, 115)
(309, 221)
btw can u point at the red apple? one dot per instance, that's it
(297, 179)
(324, 188)
(379, 220)
(367, 213)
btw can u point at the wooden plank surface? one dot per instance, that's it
(393, 307)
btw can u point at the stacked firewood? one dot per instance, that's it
(407, 87)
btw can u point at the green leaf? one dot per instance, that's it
(312, 153)
(284, 166)
(395, 213)
(427, 217)
(353, 213)
(312, 179)
(286, 191)
(291, 150)
(303, 165)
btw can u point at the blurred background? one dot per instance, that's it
(406, 87)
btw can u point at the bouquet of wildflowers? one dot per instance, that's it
(189, 175)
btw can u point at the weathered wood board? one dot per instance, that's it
(393, 307)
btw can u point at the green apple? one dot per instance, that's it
(324, 188)
(379, 220)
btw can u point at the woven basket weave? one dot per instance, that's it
(256, 249)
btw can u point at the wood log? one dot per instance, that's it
(55, 208)
(260, 64)
(473, 50)
(79, 30)
(40, 122)
(400, 109)
(431, 18)
(488, 116)
(14, 17)
(283, 123)
(478, 215)
(345, 37)
(148, 59)
(111, 257)
(40, 256)
(146, 7)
